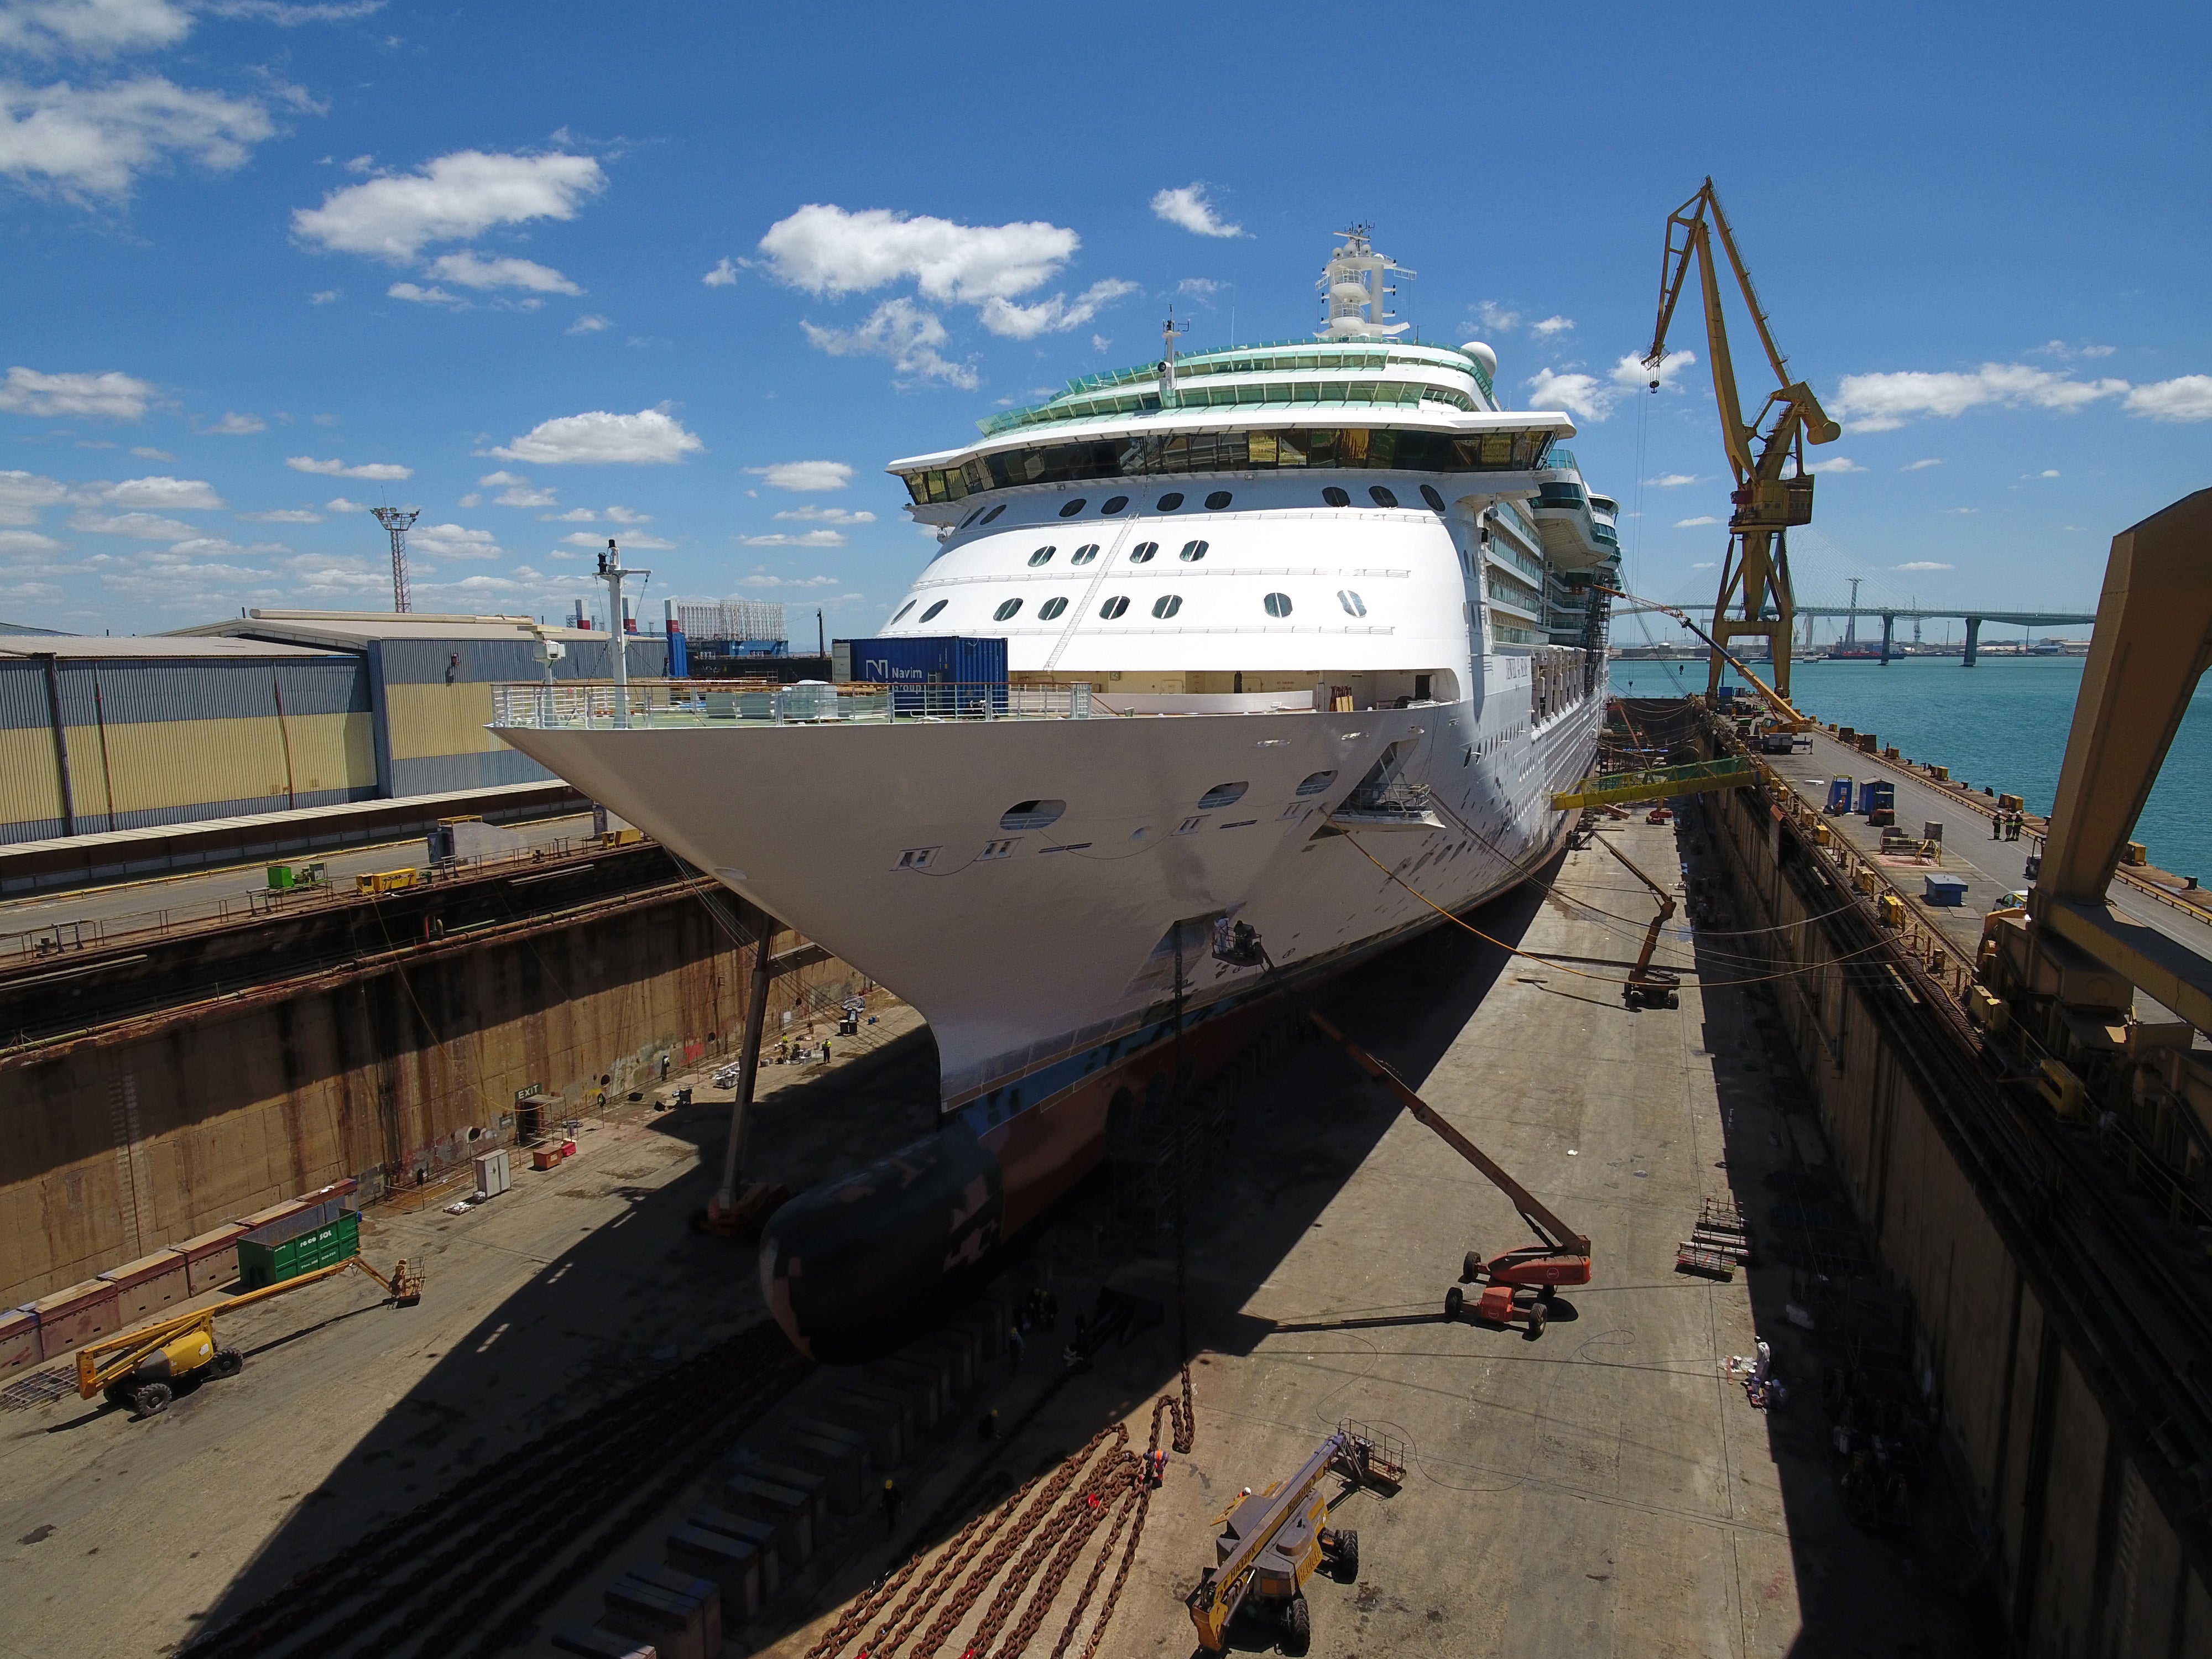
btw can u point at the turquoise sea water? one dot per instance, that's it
(2003, 722)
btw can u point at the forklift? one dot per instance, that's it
(143, 1369)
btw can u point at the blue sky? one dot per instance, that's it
(691, 277)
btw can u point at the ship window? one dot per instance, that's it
(1050, 609)
(1169, 502)
(933, 611)
(1043, 555)
(1382, 497)
(1217, 501)
(1222, 794)
(1428, 494)
(1006, 610)
(1143, 552)
(1113, 608)
(1335, 497)
(1113, 504)
(1315, 782)
(1352, 604)
(903, 609)
(1085, 554)
(1166, 605)
(994, 512)
(1279, 605)
(1031, 814)
(1071, 508)
(971, 518)
(1194, 551)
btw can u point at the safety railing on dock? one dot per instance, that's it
(593, 705)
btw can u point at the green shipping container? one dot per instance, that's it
(261, 1265)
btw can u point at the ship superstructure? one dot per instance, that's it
(1301, 637)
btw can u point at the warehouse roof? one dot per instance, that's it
(351, 630)
(167, 645)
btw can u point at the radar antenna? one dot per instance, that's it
(1355, 296)
(396, 522)
(1168, 334)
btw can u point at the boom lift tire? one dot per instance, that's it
(151, 1399)
(1345, 1557)
(1454, 1301)
(1298, 1625)
(228, 1362)
(1472, 1268)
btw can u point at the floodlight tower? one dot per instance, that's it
(396, 522)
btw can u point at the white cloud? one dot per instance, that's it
(374, 471)
(470, 271)
(283, 515)
(903, 331)
(173, 494)
(451, 541)
(287, 17)
(1704, 564)
(623, 515)
(1673, 480)
(1589, 398)
(1839, 464)
(808, 538)
(1921, 466)
(2049, 472)
(432, 296)
(29, 541)
(2065, 353)
(1055, 316)
(471, 500)
(85, 141)
(762, 579)
(516, 491)
(451, 198)
(112, 396)
(1696, 523)
(639, 540)
(237, 425)
(1551, 325)
(724, 275)
(1881, 403)
(1966, 509)
(813, 514)
(1496, 318)
(1198, 288)
(804, 475)
(574, 515)
(825, 250)
(92, 28)
(649, 437)
(340, 504)
(1923, 564)
(146, 454)
(589, 323)
(143, 526)
(2187, 398)
(23, 496)
(323, 296)
(1189, 208)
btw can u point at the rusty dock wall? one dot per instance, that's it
(2057, 1329)
(149, 1094)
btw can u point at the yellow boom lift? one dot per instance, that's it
(1755, 575)
(142, 1368)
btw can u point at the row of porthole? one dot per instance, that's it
(1275, 605)
(1142, 553)
(1040, 814)
(1218, 501)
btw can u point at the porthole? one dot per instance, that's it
(1031, 814)
(1352, 604)
(1169, 502)
(903, 609)
(994, 512)
(1435, 500)
(1381, 495)
(1113, 608)
(1166, 605)
(1143, 552)
(1315, 782)
(1219, 500)
(1335, 497)
(933, 611)
(1050, 609)
(1194, 551)
(971, 518)
(1043, 555)
(1279, 605)
(1006, 610)
(1113, 504)
(1085, 554)
(1222, 794)
(1070, 509)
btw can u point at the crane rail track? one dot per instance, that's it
(459, 1572)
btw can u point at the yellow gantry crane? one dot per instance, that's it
(1755, 595)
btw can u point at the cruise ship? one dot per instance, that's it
(1300, 640)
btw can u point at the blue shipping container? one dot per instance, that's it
(923, 670)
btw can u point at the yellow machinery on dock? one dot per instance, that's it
(142, 1368)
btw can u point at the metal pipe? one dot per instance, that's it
(726, 1199)
(61, 740)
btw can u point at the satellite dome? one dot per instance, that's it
(1483, 354)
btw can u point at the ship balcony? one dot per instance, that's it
(582, 705)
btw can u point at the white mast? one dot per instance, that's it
(612, 571)
(1354, 290)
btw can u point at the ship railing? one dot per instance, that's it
(592, 705)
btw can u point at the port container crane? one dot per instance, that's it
(1755, 593)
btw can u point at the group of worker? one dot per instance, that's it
(2007, 826)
